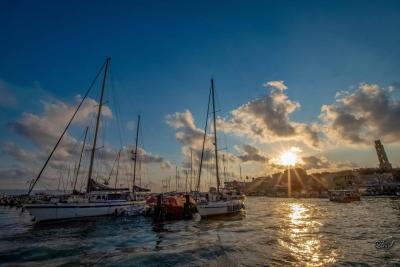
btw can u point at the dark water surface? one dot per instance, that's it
(273, 232)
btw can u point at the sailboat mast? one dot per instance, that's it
(135, 154)
(80, 159)
(88, 189)
(215, 134)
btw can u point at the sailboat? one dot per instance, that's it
(218, 201)
(138, 193)
(99, 199)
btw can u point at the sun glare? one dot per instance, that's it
(289, 158)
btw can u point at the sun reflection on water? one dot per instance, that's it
(301, 237)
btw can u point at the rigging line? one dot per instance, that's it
(88, 189)
(116, 175)
(141, 141)
(204, 141)
(112, 168)
(65, 130)
(126, 165)
(85, 163)
(80, 159)
(136, 150)
(103, 152)
(143, 156)
(112, 102)
(221, 125)
(115, 99)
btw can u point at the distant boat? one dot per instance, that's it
(346, 189)
(344, 196)
(98, 200)
(218, 201)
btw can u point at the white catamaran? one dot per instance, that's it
(98, 200)
(218, 201)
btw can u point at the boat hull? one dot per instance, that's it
(220, 207)
(62, 211)
(344, 196)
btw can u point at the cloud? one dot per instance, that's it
(312, 162)
(358, 117)
(322, 163)
(346, 165)
(276, 84)
(7, 99)
(188, 134)
(13, 177)
(267, 119)
(191, 139)
(45, 128)
(146, 157)
(251, 153)
(131, 125)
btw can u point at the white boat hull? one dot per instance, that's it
(220, 207)
(61, 211)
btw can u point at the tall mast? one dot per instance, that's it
(215, 134)
(135, 153)
(80, 159)
(88, 189)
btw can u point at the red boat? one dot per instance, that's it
(171, 207)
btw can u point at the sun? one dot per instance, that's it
(289, 158)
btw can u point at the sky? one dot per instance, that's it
(319, 78)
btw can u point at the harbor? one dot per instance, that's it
(199, 133)
(277, 231)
